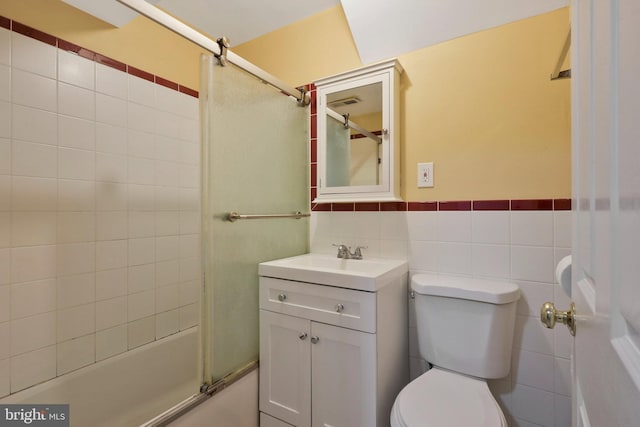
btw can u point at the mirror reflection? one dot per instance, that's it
(354, 136)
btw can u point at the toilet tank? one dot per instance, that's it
(465, 324)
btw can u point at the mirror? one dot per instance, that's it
(358, 123)
(354, 129)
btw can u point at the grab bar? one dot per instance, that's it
(234, 216)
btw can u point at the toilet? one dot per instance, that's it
(465, 330)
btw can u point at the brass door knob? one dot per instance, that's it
(549, 316)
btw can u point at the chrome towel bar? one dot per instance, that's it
(234, 216)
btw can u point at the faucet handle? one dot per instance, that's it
(343, 251)
(357, 254)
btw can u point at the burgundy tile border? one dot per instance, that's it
(532, 205)
(5, 22)
(422, 206)
(367, 207)
(109, 62)
(33, 33)
(313, 193)
(460, 205)
(314, 151)
(314, 174)
(342, 207)
(314, 127)
(393, 206)
(491, 205)
(94, 56)
(321, 207)
(561, 204)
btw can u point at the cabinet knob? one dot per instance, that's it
(303, 336)
(339, 308)
(315, 339)
(282, 297)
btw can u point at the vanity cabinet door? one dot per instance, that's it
(285, 363)
(343, 374)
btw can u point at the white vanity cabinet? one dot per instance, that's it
(331, 356)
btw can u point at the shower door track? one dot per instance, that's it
(161, 17)
(206, 391)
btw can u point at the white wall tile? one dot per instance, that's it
(76, 227)
(5, 156)
(5, 119)
(140, 332)
(532, 296)
(490, 261)
(76, 164)
(167, 298)
(76, 353)
(562, 229)
(5, 46)
(189, 292)
(141, 305)
(76, 133)
(5, 83)
(111, 283)
(142, 144)
(171, 223)
(34, 91)
(142, 91)
(168, 174)
(189, 200)
(532, 263)
(141, 224)
(76, 258)
(5, 276)
(33, 228)
(23, 118)
(491, 227)
(111, 139)
(532, 336)
(141, 197)
(562, 376)
(141, 278)
(5, 302)
(453, 226)
(5, 339)
(190, 246)
(533, 405)
(141, 251)
(169, 125)
(35, 160)
(111, 168)
(111, 111)
(5, 377)
(393, 225)
(167, 323)
(111, 254)
(454, 258)
(76, 195)
(189, 176)
(422, 225)
(168, 248)
(76, 70)
(142, 171)
(111, 342)
(562, 411)
(33, 368)
(31, 298)
(76, 102)
(33, 263)
(76, 290)
(423, 255)
(76, 321)
(141, 118)
(189, 153)
(32, 333)
(32, 55)
(111, 81)
(5, 229)
(111, 225)
(189, 316)
(167, 273)
(168, 149)
(532, 228)
(111, 196)
(111, 312)
(189, 269)
(533, 369)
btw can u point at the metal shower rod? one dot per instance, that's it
(161, 17)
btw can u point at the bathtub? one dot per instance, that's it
(128, 389)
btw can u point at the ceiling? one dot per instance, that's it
(380, 29)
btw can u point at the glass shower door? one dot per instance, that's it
(255, 162)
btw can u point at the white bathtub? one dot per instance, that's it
(128, 389)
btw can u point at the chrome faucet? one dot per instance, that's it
(345, 252)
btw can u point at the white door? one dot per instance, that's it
(606, 197)
(285, 363)
(343, 375)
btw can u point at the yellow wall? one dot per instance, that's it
(481, 107)
(141, 43)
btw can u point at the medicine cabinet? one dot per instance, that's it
(359, 134)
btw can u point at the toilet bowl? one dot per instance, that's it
(465, 329)
(441, 398)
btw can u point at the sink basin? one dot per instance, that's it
(369, 274)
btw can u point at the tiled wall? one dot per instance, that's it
(517, 240)
(99, 207)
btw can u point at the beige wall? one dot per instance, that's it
(141, 43)
(481, 107)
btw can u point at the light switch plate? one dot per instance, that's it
(425, 175)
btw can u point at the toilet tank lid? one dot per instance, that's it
(484, 290)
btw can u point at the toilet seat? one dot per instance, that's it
(441, 398)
